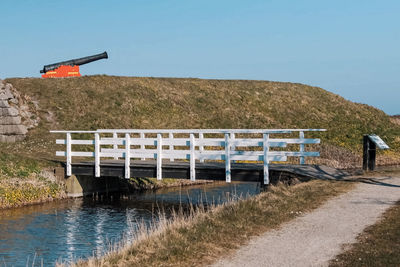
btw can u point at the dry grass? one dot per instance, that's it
(396, 119)
(203, 236)
(378, 245)
(93, 102)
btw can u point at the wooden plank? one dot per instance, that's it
(61, 153)
(82, 142)
(212, 142)
(68, 155)
(159, 156)
(196, 131)
(232, 143)
(97, 154)
(201, 147)
(227, 159)
(296, 140)
(171, 146)
(127, 156)
(115, 146)
(61, 142)
(75, 154)
(276, 142)
(192, 158)
(261, 153)
(112, 141)
(266, 158)
(258, 142)
(75, 142)
(302, 159)
(147, 141)
(142, 136)
(212, 155)
(218, 155)
(82, 154)
(242, 157)
(298, 154)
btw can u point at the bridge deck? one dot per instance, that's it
(249, 172)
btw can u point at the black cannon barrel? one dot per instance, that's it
(74, 62)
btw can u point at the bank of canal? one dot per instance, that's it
(78, 228)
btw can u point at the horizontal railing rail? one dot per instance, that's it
(227, 145)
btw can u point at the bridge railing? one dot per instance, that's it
(193, 145)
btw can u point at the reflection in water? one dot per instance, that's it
(79, 228)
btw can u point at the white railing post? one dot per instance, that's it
(265, 159)
(233, 147)
(192, 158)
(127, 156)
(201, 147)
(142, 147)
(115, 146)
(302, 159)
(159, 156)
(171, 147)
(69, 156)
(227, 159)
(97, 155)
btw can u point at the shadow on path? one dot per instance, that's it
(328, 173)
(373, 181)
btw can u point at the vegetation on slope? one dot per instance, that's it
(22, 181)
(94, 102)
(396, 119)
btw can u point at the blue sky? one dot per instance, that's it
(347, 47)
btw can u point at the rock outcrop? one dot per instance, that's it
(15, 115)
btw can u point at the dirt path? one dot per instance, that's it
(315, 238)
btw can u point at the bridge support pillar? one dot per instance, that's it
(73, 186)
(82, 185)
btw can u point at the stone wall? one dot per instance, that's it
(15, 115)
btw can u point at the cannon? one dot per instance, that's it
(69, 68)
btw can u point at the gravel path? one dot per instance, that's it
(315, 238)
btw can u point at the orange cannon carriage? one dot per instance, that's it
(69, 68)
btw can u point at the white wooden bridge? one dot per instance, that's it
(193, 148)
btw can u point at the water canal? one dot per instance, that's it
(67, 230)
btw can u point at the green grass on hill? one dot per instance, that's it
(93, 102)
(22, 181)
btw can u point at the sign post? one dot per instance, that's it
(370, 143)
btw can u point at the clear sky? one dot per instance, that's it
(351, 48)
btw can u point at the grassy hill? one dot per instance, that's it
(396, 119)
(94, 102)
